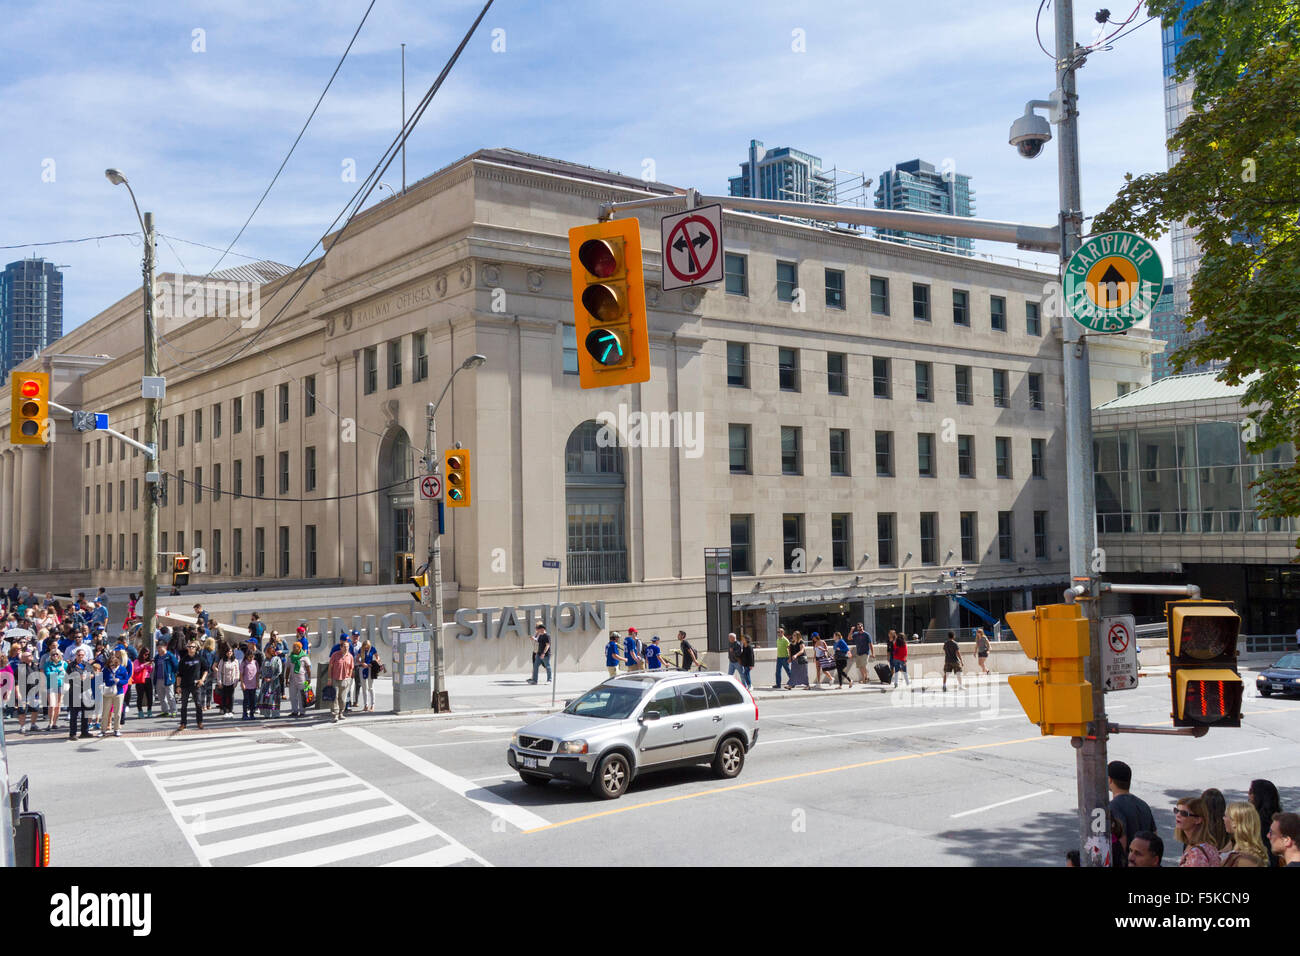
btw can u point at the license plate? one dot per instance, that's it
(530, 763)
(1279, 687)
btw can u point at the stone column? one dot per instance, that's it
(6, 507)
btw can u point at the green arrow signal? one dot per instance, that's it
(605, 347)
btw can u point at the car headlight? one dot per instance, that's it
(573, 746)
(514, 740)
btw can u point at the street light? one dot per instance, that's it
(150, 596)
(439, 702)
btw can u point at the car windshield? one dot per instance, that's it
(1291, 662)
(609, 701)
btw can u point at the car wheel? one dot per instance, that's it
(1266, 692)
(534, 779)
(730, 758)
(612, 777)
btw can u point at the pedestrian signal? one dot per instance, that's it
(1058, 698)
(1204, 684)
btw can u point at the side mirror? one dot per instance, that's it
(650, 715)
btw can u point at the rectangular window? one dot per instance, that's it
(309, 470)
(99, 559)
(259, 476)
(1035, 390)
(920, 302)
(420, 345)
(879, 296)
(162, 543)
(965, 393)
(180, 489)
(885, 540)
(1006, 542)
(370, 370)
(110, 451)
(198, 425)
(880, 378)
(85, 545)
(216, 482)
(1036, 446)
(216, 551)
(842, 542)
(1001, 395)
(239, 479)
(742, 544)
(259, 551)
(839, 443)
(198, 486)
(135, 452)
(309, 549)
(834, 289)
(259, 409)
(569, 347)
(88, 497)
(135, 551)
(1003, 456)
(966, 456)
(216, 421)
(1033, 321)
(1040, 534)
(787, 361)
(969, 536)
(791, 459)
(924, 382)
(163, 436)
(998, 312)
(282, 403)
(87, 454)
(108, 496)
(735, 268)
(395, 363)
(738, 438)
(884, 454)
(787, 280)
(284, 473)
(929, 537)
(180, 542)
(837, 373)
(925, 455)
(792, 540)
(237, 559)
(99, 449)
(237, 415)
(198, 540)
(284, 551)
(737, 365)
(180, 432)
(121, 495)
(960, 307)
(135, 494)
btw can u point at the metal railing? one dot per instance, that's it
(1268, 643)
(937, 635)
(596, 567)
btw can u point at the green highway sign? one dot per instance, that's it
(1113, 281)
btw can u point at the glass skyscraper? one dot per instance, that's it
(917, 186)
(31, 309)
(782, 173)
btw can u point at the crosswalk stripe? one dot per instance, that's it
(196, 749)
(231, 787)
(443, 856)
(235, 774)
(268, 796)
(225, 758)
(255, 841)
(324, 855)
(266, 814)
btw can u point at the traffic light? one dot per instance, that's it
(457, 466)
(609, 303)
(180, 571)
(1058, 698)
(30, 394)
(418, 581)
(1203, 680)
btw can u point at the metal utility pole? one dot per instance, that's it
(149, 614)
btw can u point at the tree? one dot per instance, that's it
(1238, 185)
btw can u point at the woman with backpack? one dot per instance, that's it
(368, 667)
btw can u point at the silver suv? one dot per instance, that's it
(640, 722)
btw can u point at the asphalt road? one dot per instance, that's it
(885, 779)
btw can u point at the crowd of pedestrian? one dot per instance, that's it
(1250, 833)
(58, 658)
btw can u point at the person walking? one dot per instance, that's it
(898, 658)
(1133, 813)
(114, 676)
(842, 650)
(341, 667)
(192, 675)
(746, 660)
(613, 657)
(798, 662)
(541, 652)
(367, 665)
(1193, 832)
(782, 657)
(654, 660)
(272, 681)
(733, 655)
(982, 649)
(227, 677)
(822, 656)
(56, 674)
(142, 681)
(1264, 797)
(863, 653)
(299, 675)
(1245, 847)
(632, 658)
(951, 660)
(250, 671)
(689, 658)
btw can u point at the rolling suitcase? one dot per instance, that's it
(885, 673)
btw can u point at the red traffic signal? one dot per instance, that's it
(1204, 684)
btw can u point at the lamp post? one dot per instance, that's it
(439, 702)
(151, 408)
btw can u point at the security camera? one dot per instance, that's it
(1030, 134)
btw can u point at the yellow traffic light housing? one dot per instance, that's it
(418, 582)
(456, 462)
(1058, 698)
(1203, 681)
(30, 411)
(180, 571)
(609, 304)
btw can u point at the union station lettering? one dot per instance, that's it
(498, 622)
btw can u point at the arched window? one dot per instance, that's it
(396, 508)
(594, 506)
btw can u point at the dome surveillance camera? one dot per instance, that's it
(1030, 134)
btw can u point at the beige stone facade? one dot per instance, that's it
(474, 259)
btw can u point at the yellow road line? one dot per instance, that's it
(793, 776)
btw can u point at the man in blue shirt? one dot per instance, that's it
(632, 651)
(99, 615)
(612, 656)
(652, 651)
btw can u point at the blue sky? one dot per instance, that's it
(89, 85)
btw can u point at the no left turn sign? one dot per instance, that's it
(692, 247)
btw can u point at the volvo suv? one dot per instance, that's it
(637, 723)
